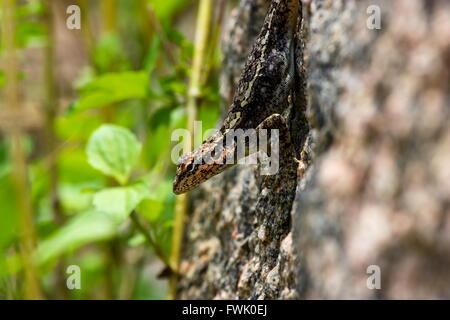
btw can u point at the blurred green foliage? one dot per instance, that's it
(113, 157)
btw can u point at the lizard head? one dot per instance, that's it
(196, 167)
(186, 174)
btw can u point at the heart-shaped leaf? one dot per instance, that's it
(114, 151)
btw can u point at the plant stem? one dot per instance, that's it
(109, 15)
(51, 141)
(145, 23)
(86, 28)
(194, 93)
(109, 26)
(31, 288)
(215, 34)
(51, 108)
(200, 53)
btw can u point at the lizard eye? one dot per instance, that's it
(190, 167)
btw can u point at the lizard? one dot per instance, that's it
(264, 92)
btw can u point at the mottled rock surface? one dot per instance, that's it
(378, 188)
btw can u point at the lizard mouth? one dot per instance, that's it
(180, 187)
(177, 187)
(181, 184)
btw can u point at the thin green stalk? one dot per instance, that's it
(198, 63)
(109, 15)
(31, 286)
(145, 22)
(51, 110)
(215, 34)
(109, 25)
(86, 28)
(51, 141)
(194, 93)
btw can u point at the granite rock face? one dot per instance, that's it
(378, 192)
(376, 195)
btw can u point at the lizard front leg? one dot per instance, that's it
(284, 153)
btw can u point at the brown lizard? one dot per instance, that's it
(264, 93)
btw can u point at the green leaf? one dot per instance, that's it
(109, 53)
(112, 88)
(152, 54)
(77, 197)
(121, 201)
(73, 167)
(30, 34)
(114, 151)
(166, 10)
(152, 207)
(88, 227)
(77, 126)
(29, 9)
(136, 240)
